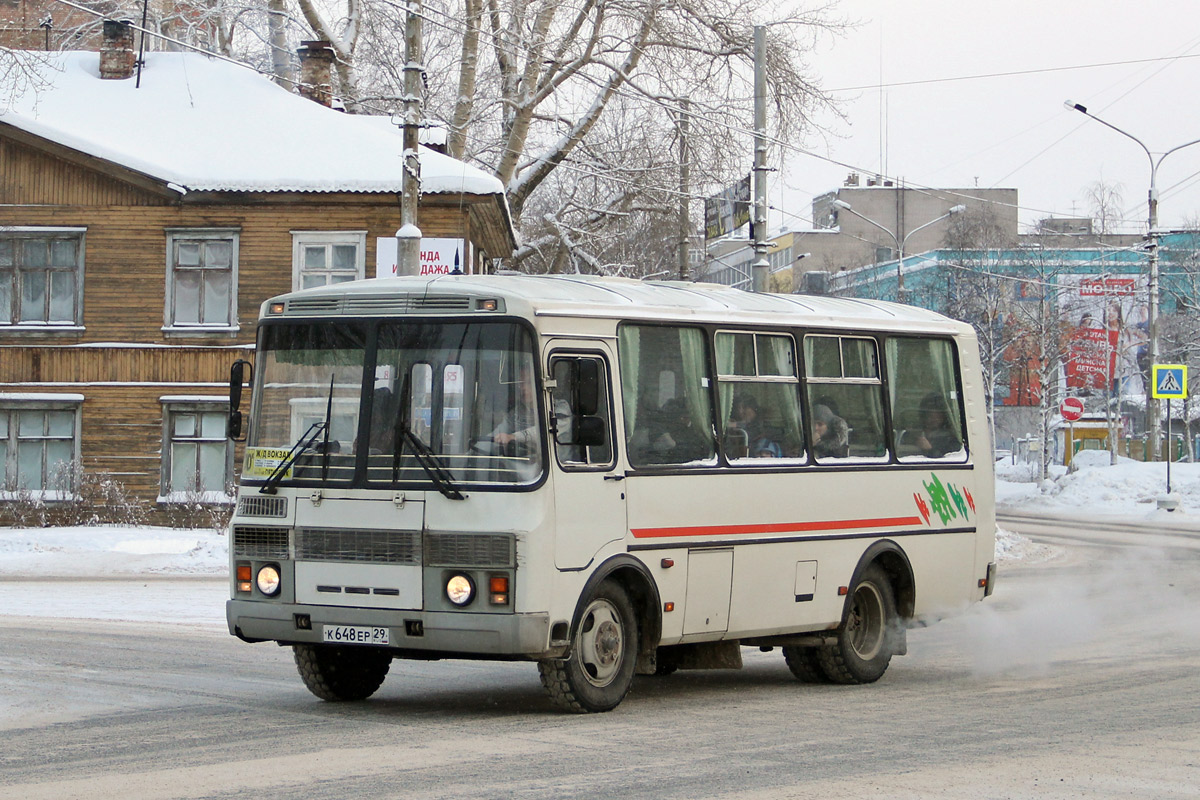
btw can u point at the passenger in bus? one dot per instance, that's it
(743, 430)
(766, 448)
(678, 439)
(831, 436)
(935, 439)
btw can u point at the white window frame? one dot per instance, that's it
(172, 407)
(10, 406)
(171, 326)
(301, 239)
(75, 325)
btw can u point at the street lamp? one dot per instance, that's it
(900, 241)
(1152, 422)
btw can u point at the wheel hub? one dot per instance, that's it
(608, 644)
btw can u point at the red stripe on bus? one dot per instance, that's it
(775, 527)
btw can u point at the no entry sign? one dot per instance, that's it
(1071, 409)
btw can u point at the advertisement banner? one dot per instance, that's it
(1108, 335)
(727, 211)
(438, 257)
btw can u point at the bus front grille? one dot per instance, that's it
(252, 541)
(486, 550)
(362, 546)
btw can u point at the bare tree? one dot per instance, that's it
(21, 71)
(1042, 336)
(537, 80)
(1106, 202)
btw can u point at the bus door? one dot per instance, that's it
(589, 497)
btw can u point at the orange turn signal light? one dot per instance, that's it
(668, 606)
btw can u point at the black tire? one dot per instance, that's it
(804, 664)
(598, 672)
(866, 638)
(341, 673)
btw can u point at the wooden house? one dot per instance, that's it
(143, 220)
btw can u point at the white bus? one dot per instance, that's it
(606, 477)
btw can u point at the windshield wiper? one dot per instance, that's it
(305, 442)
(441, 477)
(302, 444)
(428, 460)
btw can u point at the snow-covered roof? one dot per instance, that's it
(204, 124)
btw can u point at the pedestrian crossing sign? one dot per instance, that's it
(1170, 381)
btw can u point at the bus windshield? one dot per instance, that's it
(396, 404)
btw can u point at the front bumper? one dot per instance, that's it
(430, 633)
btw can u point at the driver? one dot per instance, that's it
(519, 426)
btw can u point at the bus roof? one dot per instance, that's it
(602, 297)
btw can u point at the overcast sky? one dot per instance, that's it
(1011, 130)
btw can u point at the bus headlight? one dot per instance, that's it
(460, 589)
(268, 580)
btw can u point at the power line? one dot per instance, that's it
(1011, 74)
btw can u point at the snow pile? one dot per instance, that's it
(111, 552)
(1013, 548)
(1096, 487)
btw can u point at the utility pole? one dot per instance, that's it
(761, 269)
(684, 180)
(408, 261)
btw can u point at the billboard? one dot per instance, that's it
(1109, 339)
(727, 211)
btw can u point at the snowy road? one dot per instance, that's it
(1079, 678)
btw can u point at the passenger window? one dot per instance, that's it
(665, 392)
(845, 398)
(581, 382)
(927, 419)
(759, 393)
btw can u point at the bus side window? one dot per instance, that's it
(927, 420)
(581, 420)
(845, 396)
(666, 395)
(758, 392)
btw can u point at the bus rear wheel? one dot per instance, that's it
(804, 664)
(597, 674)
(866, 638)
(341, 673)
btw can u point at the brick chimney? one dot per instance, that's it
(316, 71)
(117, 58)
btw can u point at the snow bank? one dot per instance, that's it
(111, 552)
(1096, 487)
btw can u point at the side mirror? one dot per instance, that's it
(237, 377)
(589, 431)
(587, 386)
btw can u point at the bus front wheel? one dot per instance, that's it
(341, 673)
(597, 674)
(866, 638)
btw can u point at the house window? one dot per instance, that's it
(197, 457)
(41, 276)
(202, 279)
(321, 258)
(39, 447)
